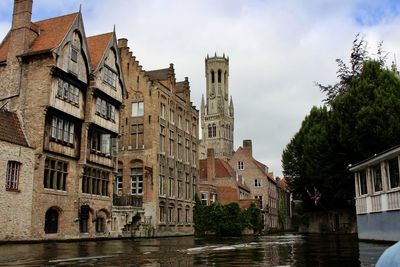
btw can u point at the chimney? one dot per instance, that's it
(21, 35)
(210, 165)
(248, 146)
(122, 43)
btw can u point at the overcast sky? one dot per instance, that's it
(276, 49)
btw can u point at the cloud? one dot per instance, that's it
(277, 49)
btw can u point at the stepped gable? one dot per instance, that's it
(51, 33)
(159, 75)
(10, 129)
(97, 45)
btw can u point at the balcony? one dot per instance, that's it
(133, 201)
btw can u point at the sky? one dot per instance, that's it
(277, 50)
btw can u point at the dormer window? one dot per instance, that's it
(110, 76)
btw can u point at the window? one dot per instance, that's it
(213, 198)
(84, 217)
(179, 219)
(179, 121)
(105, 109)
(162, 181)
(55, 174)
(260, 198)
(219, 76)
(194, 188)
(394, 173)
(136, 181)
(95, 181)
(101, 222)
(118, 181)
(187, 191)
(257, 182)
(180, 185)
(51, 221)
(212, 76)
(187, 215)
(171, 214)
(171, 143)
(171, 186)
(67, 92)
(377, 178)
(138, 109)
(110, 76)
(12, 175)
(101, 143)
(194, 158)
(240, 165)
(210, 131)
(74, 54)
(362, 182)
(194, 130)
(62, 131)
(214, 130)
(187, 150)
(171, 116)
(162, 214)
(204, 198)
(137, 136)
(187, 126)
(162, 110)
(179, 147)
(162, 138)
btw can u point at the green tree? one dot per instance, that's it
(362, 120)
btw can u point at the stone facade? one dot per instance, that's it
(217, 113)
(261, 183)
(16, 177)
(68, 99)
(158, 148)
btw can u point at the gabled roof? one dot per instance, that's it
(159, 75)
(51, 33)
(10, 129)
(180, 87)
(222, 169)
(97, 46)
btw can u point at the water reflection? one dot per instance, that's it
(278, 250)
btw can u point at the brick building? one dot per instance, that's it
(219, 182)
(16, 174)
(67, 90)
(261, 182)
(158, 148)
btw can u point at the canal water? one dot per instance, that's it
(274, 250)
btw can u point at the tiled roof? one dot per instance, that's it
(4, 47)
(97, 46)
(158, 75)
(222, 169)
(10, 129)
(52, 32)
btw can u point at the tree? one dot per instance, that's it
(362, 120)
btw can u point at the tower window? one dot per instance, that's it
(212, 77)
(219, 76)
(214, 130)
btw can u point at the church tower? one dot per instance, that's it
(217, 115)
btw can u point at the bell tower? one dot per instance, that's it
(217, 114)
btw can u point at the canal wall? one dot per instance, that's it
(380, 226)
(336, 221)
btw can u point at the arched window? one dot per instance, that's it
(51, 221)
(219, 76)
(212, 77)
(214, 130)
(209, 131)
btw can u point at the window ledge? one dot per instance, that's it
(55, 192)
(15, 190)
